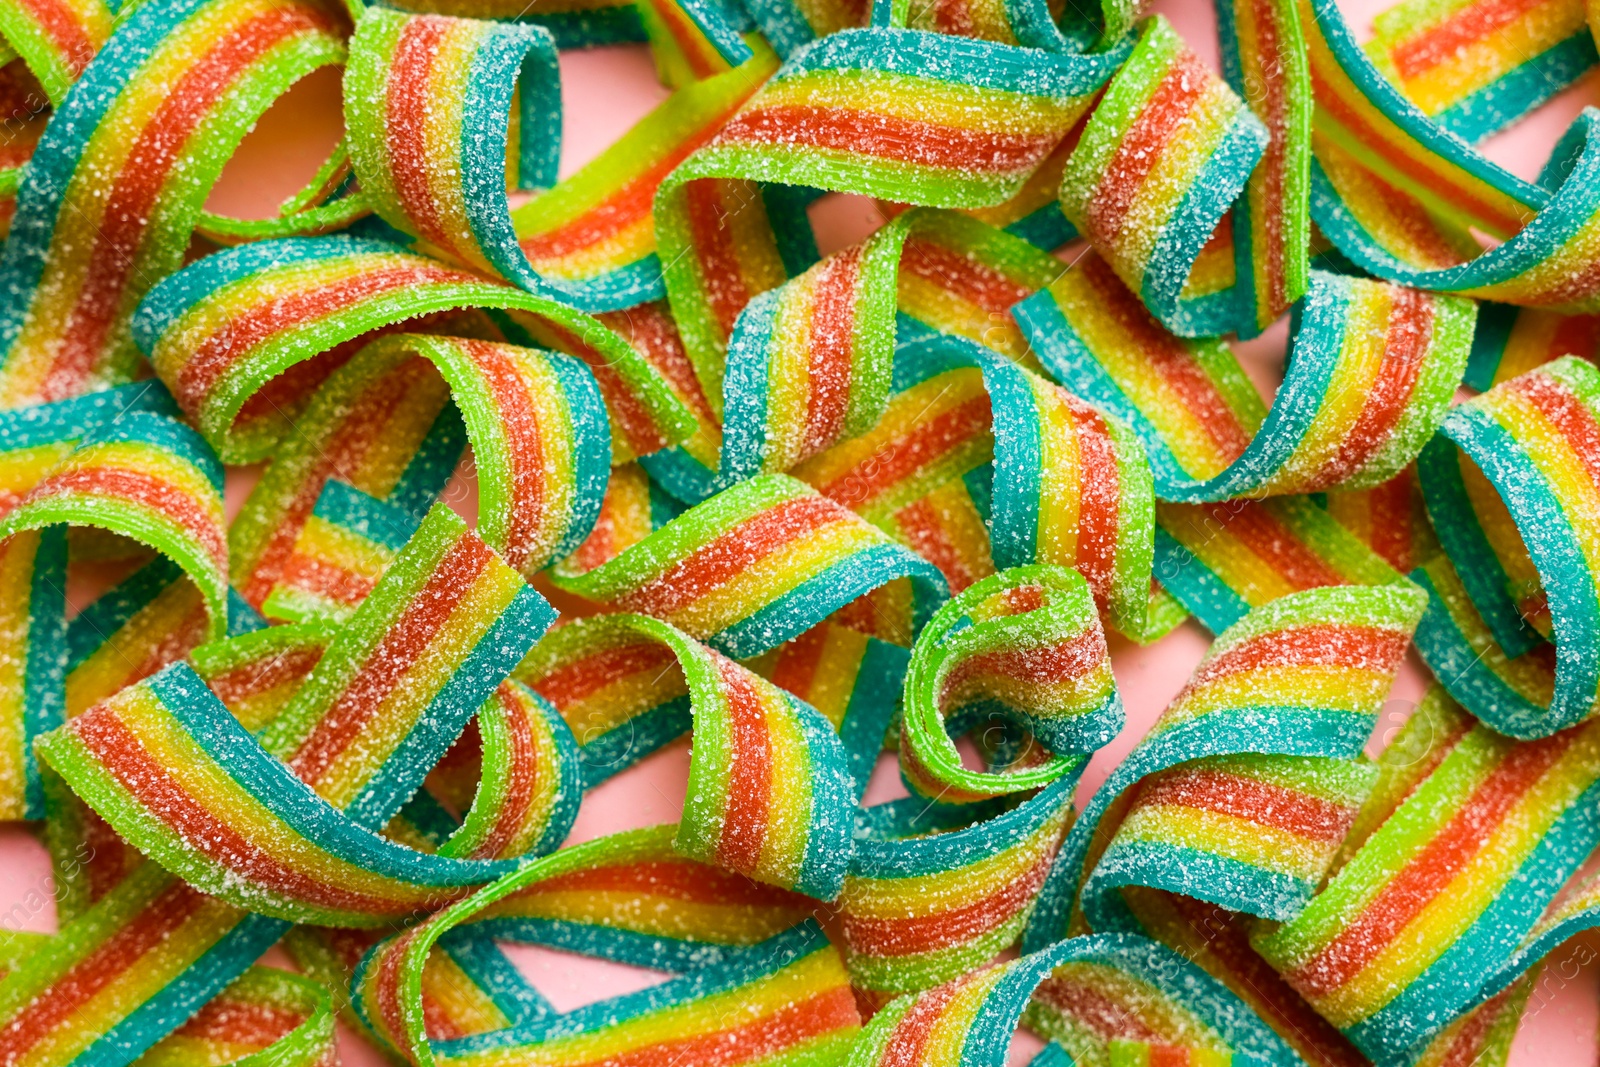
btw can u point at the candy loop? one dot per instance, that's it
(1303, 676)
(1370, 374)
(225, 327)
(1514, 509)
(781, 989)
(148, 478)
(925, 903)
(1151, 994)
(1162, 158)
(770, 790)
(1024, 644)
(218, 63)
(539, 433)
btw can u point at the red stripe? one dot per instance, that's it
(923, 444)
(923, 530)
(943, 929)
(824, 1013)
(722, 281)
(1427, 874)
(411, 90)
(567, 684)
(524, 774)
(1243, 797)
(1055, 664)
(681, 880)
(731, 553)
(1169, 357)
(962, 275)
(911, 1034)
(147, 491)
(1571, 417)
(326, 580)
(391, 661)
(1466, 27)
(831, 347)
(60, 24)
(99, 969)
(262, 675)
(903, 141)
(121, 273)
(799, 660)
(1277, 545)
(1100, 498)
(1406, 347)
(241, 1022)
(285, 310)
(1318, 644)
(1273, 70)
(524, 444)
(749, 775)
(120, 751)
(1101, 1014)
(1157, 125)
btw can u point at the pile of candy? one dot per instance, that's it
(801, 508)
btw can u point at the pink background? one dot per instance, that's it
(604, 93)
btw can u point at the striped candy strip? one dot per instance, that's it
(785, 997)
(1263, 57)
(426, 103)
(221, 331)
(1163, 156)
(1063, 484)
(339, 556)
(1437, 897)
(925, 903)
(852, 678)
(1513, 340)
(1303, 676)
(1222, 560)
(1371, 371)
(1024, 645)
(592, 235)
(44, 47)
(770, 789)
(112, 210)
(891, 113)
(1254, 832)
(1510, 484)
(33, 658)
(695, 40)
(148, 478)
(1399, 195)
(152, 951)
(1389, 518)
(1102, 996)
(251, 829)
(1477, 66)
(394, 436)
(761, 563)
(266, 1014)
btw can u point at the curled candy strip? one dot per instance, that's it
(342, 551)
(168, 765)
(1514, 508)
(1156, 999)
(926, 902)
(221, 330)
(786, 993)
(1303, 676)
(1025, 644)
(83, 252)
(1371, 372)
(768, 778)
(1171, 146)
